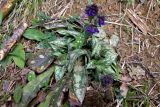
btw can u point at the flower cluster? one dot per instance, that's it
(101, 20)
(106, 80)
(92, 11)
(92, 29)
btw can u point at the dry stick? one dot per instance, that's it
(120, 26)
(132, 39)
(139, 45)
(149, 9)
(14, 38)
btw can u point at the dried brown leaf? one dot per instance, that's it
(73, 100)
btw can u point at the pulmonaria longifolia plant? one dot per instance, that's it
(79, 53)
(96, 20)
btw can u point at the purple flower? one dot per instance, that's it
(91, 29)
(106, 80)
(101, 20)
(91, 10)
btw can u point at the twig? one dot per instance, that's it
(153, 88)
(149, 9)
(115, 23)
(132, 39)
(139, 45)
(14, 38)
(120, 29)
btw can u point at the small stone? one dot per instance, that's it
(39, 61)
(33, 62)
(41, 56)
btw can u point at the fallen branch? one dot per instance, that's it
(14, 38)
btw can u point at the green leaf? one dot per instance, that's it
(19, 62)
(103, 51)
(117, 70)
(90, 2)
(31, 89)
(59, 72)
(54, 95)
(59, 89)
(47, 101)
(34, 34)
(102, 68)
(43, 16)
(60, 45)
(91, 64)
(45, 43)
(60, 42)
(114, 40)
(79, 80)
(109, 54)
(66, 104)
(35, 22)
(61, 59)
(68, 32)
(79, 41)
(6, 61)
(74, 56)
(18, 55)
(31, 75)
(1, 17)
(96, 47)
(17, 94)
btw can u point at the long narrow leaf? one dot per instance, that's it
(80, 80)
(74, 56)
(31, 89)
(53, 96)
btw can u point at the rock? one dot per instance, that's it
(40, 61)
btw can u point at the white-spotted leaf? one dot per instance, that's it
(80, 81)
(30, 90)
